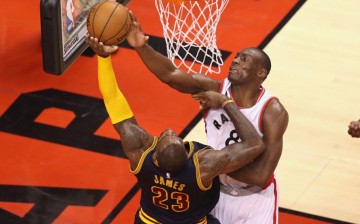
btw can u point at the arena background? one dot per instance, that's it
(61, 160)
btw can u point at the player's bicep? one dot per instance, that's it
(275, 122)
(228, 159)
(134, 139)
(212, 163)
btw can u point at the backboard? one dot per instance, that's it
(63, 26)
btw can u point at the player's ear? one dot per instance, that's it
(263, 73)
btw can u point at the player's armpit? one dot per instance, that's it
(134, 140)
(260, 171)
(210, 165)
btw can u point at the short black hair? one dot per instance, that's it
(172, 158)
(264, 58)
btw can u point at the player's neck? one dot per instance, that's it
(245, 96)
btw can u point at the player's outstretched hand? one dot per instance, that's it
(354, 129)
(136, 37)
(210, 99)
(99, 48)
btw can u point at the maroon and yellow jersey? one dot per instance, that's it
(178, 199)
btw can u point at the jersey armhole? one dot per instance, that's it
(263, 112)
(143, 156)
(198, 173)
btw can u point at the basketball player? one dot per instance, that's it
(70, 11)
(250, 194)
(354, 129)
(178, 180)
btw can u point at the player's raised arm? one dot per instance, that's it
(233, 156)
(163, 68)
(134, 139)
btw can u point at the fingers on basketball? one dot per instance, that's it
(110, 22)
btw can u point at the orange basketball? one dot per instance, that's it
(109, 21)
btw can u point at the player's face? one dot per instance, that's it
(244, 66)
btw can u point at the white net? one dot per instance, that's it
(189, 28)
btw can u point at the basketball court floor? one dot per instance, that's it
(61, 160)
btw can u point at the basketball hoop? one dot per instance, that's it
(189, 28)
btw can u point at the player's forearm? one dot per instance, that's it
(158, 64)
(260, 171)
(115, 102)
(250, 176)
(251, 144)
(164, 69)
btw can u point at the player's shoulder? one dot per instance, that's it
(276, 110)
(201, 149)
(199, 146)
(272, 101)
(276, 105)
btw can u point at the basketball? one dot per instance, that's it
(109, 21)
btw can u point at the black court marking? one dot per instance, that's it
(121, 204)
